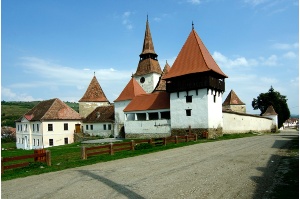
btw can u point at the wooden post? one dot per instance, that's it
(132, 145)
(111, 148)
(196, 137)
(150, 141)
(83, 153)
(48, 157)
(176, 139)
(186, 138)
(165, 141)
(2, 166)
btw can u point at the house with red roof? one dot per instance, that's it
(49, 123)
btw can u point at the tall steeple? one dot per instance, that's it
(148, 58)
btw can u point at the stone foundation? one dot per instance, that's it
(146, 135)
(209, 133)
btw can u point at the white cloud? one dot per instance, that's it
(285, 46)
(194, 1)
(126, 21)
(157, 19)
(224, 61)
(270, 61)
(256, 2)
(9, 95)
(290, 55)
(268, 80)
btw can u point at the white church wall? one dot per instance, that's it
(198, 108)
(119, 114)
(150, 82)
(150, 127)
(243, 123)
(214, 101)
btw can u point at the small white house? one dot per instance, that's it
(49, 123)
(100, 122)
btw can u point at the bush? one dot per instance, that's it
(143, 146)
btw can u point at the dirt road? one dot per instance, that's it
(239, 168)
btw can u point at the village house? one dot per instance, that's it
(49, 123)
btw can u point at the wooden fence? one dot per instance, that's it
(40, 155)
(112, 148)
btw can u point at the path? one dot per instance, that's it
(239, 168)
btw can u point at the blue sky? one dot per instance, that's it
(51, 48)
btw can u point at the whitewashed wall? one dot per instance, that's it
(98, 129)
(214, 101)
(243, 123)
(148, 127)
(199, 109)
(150, 83)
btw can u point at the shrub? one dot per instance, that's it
(143, 146)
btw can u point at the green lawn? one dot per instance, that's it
(69, 156)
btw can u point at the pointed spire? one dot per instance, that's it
(94, 93)
(148, 46)
(232, 99)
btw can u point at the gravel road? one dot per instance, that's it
(239, 168)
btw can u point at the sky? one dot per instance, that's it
(52, 48)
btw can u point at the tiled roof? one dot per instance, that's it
(153, 101)
(147, 66)
(148, 58)
(53, 109)
(193, 58)
(131, 90)
(161, 85)
(232, 99)
(270, 111)
(101, 114)
(94, 93)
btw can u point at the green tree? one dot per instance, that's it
(278, 101)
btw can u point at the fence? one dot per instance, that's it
(112, 148)
(40, 155)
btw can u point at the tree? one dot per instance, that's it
(278, 101)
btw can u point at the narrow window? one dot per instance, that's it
(66, 140)
(22, 140)
(188, 99)
(37, 127)
(33, 142)
(86, 127)
(25, 127)
(66, 126)
(92, 127)
(50, 127)
(215, 98)
(188, 112)
(21, 127)
(50, 142)
(18, 127)
(109, 126)
(38, 142)
(104, 126)
(33, 127)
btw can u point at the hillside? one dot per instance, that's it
(11, 111)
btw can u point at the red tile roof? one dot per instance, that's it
(193, 58)
(94, 93)
(53, 109)
(153, 101)
(101, 114)
(131, 90)
(270, 111)
(161, 85)
(232, 99)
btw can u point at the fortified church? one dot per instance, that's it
(186, 97)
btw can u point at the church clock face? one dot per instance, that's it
(142, 80)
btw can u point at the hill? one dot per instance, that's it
(11, 111)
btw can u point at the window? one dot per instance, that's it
(188, 112)
(142, 80)
(66, 140)
(50, 127)
(18, 127)
(22, 140)
(37, 127)
(109, 126)
(38, 142)
(188, 99)
(21, 127)
(66, 126)
(50, 142)
(25, 127)
(104, 126)
(33, 142)
(92, 127)
(214, 98)
(86, 127)
(32, 127)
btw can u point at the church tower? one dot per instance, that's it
(148, 71)
(92, 98)
(196, 84)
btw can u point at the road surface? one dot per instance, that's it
(239, 168)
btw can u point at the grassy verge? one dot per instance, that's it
(69, 156)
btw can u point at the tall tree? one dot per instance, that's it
(278, 101)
